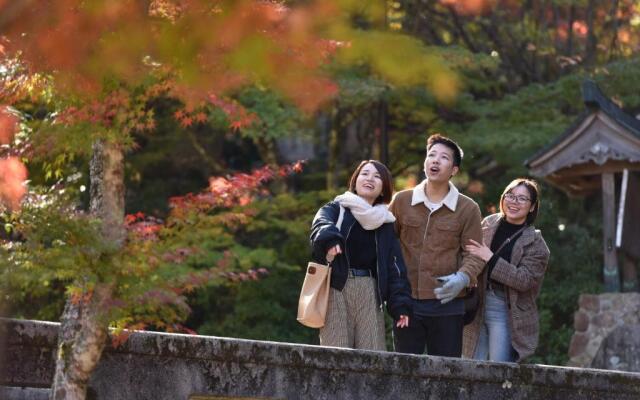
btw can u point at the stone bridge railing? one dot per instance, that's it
(158, 366)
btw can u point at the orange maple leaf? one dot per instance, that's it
(13, 173)
(8, 125)
(244, 200)
(200, 117)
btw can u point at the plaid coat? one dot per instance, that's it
(523, 279)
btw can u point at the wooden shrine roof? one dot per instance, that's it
(603, 138)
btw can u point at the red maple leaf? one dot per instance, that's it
(179, 115)
(186, 122)
(236, 125)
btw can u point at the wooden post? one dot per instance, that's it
(611, 274)
(628, 265)
(629, 275)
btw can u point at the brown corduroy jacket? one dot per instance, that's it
(522, 278)
(433, 243)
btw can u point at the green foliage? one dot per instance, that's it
(510, 130)
(575, 267)
(266, 309)
(499, 117)
(399, 59)
(530, 40)
(151, 275)
(54, 245)
(357, 89)
(276, 117)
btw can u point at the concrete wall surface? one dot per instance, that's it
(159, 366)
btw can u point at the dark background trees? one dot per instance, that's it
(515, 67)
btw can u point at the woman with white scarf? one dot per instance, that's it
(368, 270)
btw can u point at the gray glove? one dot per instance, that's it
(453, 284)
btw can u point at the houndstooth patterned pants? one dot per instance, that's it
(354, 319)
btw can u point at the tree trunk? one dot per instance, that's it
(556, 23)
(84, 323)
(383, 120)
(213, 167)
(512, 58)
(590, 54)
(268, 150)
(613, 15)
(569, 47)
(459, 25)
(629, 275)
(333, 151)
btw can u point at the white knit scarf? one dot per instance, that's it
(370, 217)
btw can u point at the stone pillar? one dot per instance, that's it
(596, 318)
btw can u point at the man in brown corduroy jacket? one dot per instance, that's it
(434, 222)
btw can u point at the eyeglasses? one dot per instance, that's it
(516, 199)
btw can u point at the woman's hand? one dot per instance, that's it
(403, 321)
(479, 250)
(332, 252)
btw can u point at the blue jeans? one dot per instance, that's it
(494, 343)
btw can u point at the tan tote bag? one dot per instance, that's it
(314, 296)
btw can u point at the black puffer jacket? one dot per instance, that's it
(393, 285)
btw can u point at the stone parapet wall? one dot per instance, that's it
(159, 366)
(596, 318)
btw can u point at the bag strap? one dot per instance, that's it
(340, 217)
(510, 238)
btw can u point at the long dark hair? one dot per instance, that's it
(385, 174)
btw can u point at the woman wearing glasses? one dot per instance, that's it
(506, 326)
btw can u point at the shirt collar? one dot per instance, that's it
(450, 200)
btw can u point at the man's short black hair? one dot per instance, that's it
(437, 138)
